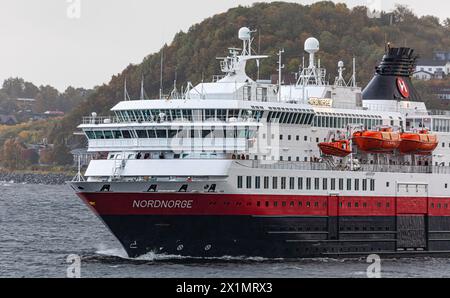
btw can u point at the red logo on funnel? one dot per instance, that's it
(402, 87)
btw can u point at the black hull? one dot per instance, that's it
(280, 237)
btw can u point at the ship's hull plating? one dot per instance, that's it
(188, 232)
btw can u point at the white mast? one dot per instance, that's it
(280, 68)
(126, 96)
(161, 74)
(142, 89)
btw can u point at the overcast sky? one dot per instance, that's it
(59, 43)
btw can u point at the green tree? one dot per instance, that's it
(61, 154)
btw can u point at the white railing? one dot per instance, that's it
(320, 166)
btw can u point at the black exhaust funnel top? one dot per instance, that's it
(392, 80)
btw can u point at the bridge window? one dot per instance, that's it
(364, 185)
(372, 185)
(356, 184)
(126, 134)
(316, 183)
(292, 183)
(142, 134)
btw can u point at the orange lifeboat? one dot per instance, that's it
(422, 143)
(340, 148)
(384, 140)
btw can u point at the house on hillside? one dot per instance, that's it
(428, 69)
(8, 120)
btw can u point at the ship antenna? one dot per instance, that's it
(354, 73)
(161, 74)
(280, 67)
(143, 94)
(126, 96)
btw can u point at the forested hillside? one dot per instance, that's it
(343, 33)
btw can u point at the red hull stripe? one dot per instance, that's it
(261, 205)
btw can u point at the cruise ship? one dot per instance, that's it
(244, 167)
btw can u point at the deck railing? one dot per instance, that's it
(322, 166)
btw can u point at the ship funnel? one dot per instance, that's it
(392, 80)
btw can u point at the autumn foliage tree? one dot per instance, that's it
(12, 154)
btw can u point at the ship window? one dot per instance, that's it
(349, 184)
(108, 134)
(173, 133)
(126, 134)
(341, 184)
(274, 182)
(308, 204)
(161, 134)
(356, 184)
(387, 184)
(325, 184)
(142, 134)
(266, 182)
(90, 135)
(365, 205)
(239, 181)
(432, 205)
(275, 204)
(151, 134)
(316, 204)
(308, 183)
(283, 182)
(258, 204)
(316, 183)
(300, 183)
(117, 134)
(289, 137)
(249, 182)
(283, 204)
(99, 135)
(267, 204)
(333, 183)
(364, 185)
(257, 182)
(446, 185)
(291, 183)
(356, 205)
(372, 185)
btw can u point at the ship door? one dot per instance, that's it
(333, 217)
(412, 204)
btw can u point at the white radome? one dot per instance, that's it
(312, 45)
(244, 33)
(341, 64)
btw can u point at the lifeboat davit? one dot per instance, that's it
(381, 141)
(421, 143)
(337, 148)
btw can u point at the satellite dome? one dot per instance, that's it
(341, 64)
(312, 45)
(244, 33)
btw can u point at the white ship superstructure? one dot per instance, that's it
(233, 167)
